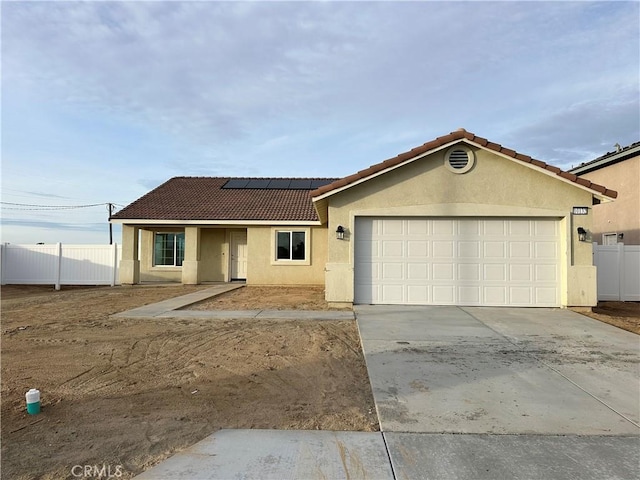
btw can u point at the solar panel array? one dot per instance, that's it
(276, 183)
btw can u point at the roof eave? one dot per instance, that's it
(147, 221)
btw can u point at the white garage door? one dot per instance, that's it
(470, 261)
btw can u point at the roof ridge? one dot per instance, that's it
(460, 134)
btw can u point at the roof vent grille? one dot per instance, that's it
(458, 159)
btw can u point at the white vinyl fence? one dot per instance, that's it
(618, 271)
(58, 264)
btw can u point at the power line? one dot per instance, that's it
(32, 206)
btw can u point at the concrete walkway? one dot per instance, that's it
(461, 393)
(170, 308)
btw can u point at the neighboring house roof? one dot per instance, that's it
(453, 137)
(607, 159)
(207, 198)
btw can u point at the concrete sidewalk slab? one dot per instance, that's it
(512, 457)
(261, 314)
(453, 373)
(600, 358)
(171, 304)
(279, 454)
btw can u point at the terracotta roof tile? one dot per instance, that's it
(203, 198)
(443, 140)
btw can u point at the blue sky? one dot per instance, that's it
(103, 101)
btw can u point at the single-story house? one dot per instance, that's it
(457, 221)
(617, 222)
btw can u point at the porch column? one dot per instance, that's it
(191, 262)
(130, 263)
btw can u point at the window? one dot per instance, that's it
(168, 250)
(609, 238)
(291, 245)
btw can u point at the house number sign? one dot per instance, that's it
(580, 210)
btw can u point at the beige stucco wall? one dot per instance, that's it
(207, 252)
(495, 186)
(262, 270)
(622, 215)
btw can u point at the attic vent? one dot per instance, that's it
(459, 159)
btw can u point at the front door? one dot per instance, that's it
(239, 255)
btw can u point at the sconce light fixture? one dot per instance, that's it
(621, 236)
(340, 232)
(582, 234)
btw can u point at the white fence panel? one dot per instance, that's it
(60, 264)
(630, 283)
(618, 268)
(37, 264)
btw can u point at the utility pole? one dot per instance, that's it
(110, 206)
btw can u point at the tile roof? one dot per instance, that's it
(203, 198)
(609, 158)
(459, 134)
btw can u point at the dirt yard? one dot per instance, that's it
(267, 298)
(126, 393)
(625, 315)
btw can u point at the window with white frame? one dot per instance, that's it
(168, 249)
(291, 245)
(609, 239)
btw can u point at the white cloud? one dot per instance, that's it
(119, 96)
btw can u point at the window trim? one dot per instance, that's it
(175, 251)
(274, 246)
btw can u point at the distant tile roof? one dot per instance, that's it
(452, 137)
(204, 198)
(608, 158)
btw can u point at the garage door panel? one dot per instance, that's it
(495, 272)
(495, 249)
(520, 273)
(469, 295)
(457, 261)
(520, 250)
(469, 249)
(469, 272)
(392, 271)
(495, 296)
(545, 250)
(443, 295)
(418, 249)
(442, 271)
(442, 249)
(417, 271)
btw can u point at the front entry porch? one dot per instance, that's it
(183, 254)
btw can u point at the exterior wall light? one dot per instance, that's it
(582, 234)
(340, 232)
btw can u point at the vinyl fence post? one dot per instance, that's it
(621, 289)
(114, 257)
(3, 254)
(59, 265)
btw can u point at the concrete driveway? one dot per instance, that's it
(540, 393)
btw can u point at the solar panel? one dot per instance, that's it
(300, 184)
(280, 183)
(258, 183)
(276, 183)
(236, 183)
(320, 183)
